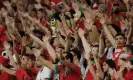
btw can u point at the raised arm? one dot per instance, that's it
(130, 34)
(101, 46)
(49, 48)
(91, 68)
(127, 4)
(47, 63)
(7, 49)
(86, 45)
(36, 39)
(107, 32)
(9, 71)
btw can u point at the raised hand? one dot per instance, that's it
(1, 67)
(7, 3)
(88, 16)
(24, 14)
(102, 20)
(27, 30)
(7, 21)
(37, 6)
(88, 26)
(68, 14)
(36, 52)
(46, 38)
(87, 56)
(6, 45)
(60, 55)
(126, 1)
(24, 41)
(125, 24)
(81, 32)
(3, 12)
(75, 6)
(13, 1)
(62, 17)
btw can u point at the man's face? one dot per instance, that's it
(56, 42)
(24, 60)
(120, 41)
(40, 14)
(38, 63)
(32, 13)
(107, 42)
(60, 51)
(105, 67)
(95, 51)
(77, 15)
(125, 50)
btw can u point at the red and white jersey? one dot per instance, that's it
(117, 53)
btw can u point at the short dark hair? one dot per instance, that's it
(76, 52)
(120, 34)
(39, 34)
(97, 46)
(69, 56)
(111, 63)
(34, 10)
(41, 10)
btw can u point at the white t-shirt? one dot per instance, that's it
(109, 53)
(45, 74)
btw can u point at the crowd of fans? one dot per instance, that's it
(66, 40)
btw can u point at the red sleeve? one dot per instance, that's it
(18, 48)
(2, 30)
(113, 78)
(56, 1)
(77, 69)
(102, 60)
(6, 76)
(33, 71)
(81, 25)
(122, 14)
(21, 75)
(58, 68)
(44, 23)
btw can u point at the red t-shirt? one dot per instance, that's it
(97, 23)
(56, 1)
(81, 24)
(42, 1)
(45, 52)
(116, 19)
(33, 72)
(74, 74)
(102, 60)
(44, 23)
(3, 36)
(109, 5)
(6, 76)
(116, 56)
(129, 75)
(89, 75)
(21, 74)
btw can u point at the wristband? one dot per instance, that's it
(90, 52)
(80, 9)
